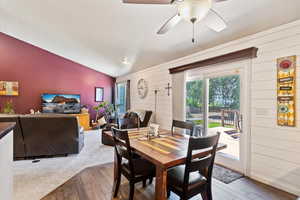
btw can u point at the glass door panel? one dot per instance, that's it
(195, 104)
(224, 114)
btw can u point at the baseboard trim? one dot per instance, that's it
(294, 191)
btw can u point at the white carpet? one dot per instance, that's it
(32, 181)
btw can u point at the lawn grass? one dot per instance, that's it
(214, 124)
(211, 124)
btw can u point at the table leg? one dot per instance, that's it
(161, 184)
(116, 182)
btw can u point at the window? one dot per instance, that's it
(121, 98)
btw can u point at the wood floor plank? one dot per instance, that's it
(95, 183)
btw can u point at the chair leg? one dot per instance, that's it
(209, 193)
(168, 192)
(150, 180)
(144, 183)
(117, 184)
(204, 195)
(131, 193)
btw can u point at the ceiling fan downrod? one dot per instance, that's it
(193, 20)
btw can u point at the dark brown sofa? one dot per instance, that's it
(130, 120)
(45, 135)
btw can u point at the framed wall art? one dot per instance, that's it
(286, 91)
(9, 88)
(99, 94)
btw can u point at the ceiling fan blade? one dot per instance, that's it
(170, 24)
(217, 1)
(214, 21)
(148, 1)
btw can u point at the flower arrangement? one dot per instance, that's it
(104, 108)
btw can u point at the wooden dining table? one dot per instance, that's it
(164, 152)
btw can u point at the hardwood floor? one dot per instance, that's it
(95, 183)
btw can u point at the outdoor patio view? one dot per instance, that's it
(223, 109)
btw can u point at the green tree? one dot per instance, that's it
(225, 92)
(194, 93)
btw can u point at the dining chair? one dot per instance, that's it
(183, 125)
(134, 168)
(195, 176)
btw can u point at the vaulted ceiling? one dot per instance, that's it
(101, 33)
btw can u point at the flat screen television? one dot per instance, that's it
(61, 103)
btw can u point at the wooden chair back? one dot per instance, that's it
(202, 164)
(122, 147)
(183, 125)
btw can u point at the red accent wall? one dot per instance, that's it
(39, 71)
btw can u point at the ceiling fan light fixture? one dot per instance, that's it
(125, 61)
(198, 9)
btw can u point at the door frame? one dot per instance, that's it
(244, 70)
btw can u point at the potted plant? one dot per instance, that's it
(8, 107)
(104, 108)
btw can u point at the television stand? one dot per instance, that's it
(84, 120)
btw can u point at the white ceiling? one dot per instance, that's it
(100, 33)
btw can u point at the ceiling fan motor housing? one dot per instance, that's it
(194, 9)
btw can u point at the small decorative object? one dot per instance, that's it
(84, 109)
(101, 121)
(168, 88)
(31, 111)
(286, 91)
(154, 129)
(8, 107)
(142, 87)
(9, 88)
(99, 94)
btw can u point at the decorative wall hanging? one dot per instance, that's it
(168, 88)
(155, 103)
(99, 94)
(286, 91)
(142, 87)
(9, 88)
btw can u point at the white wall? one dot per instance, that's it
(6, 167)
(157, 78)
(275, 151)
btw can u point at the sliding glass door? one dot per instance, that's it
(215, 102)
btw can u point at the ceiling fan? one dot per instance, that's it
(189, 10)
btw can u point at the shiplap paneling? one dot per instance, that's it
(275, 150)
